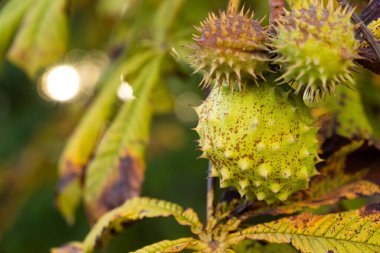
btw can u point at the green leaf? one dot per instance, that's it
(162, 99)
(83, 141)
(348, 113)
(42, 38)
(114, 8)
(11, 16)
(164, 19)
(249, 246)
(347, 232)
(370, 93)
(117, 170)
(173, 246)
(137, 209)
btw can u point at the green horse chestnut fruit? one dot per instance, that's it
(260, 141)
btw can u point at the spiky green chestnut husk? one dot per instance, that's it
(260, 141)
(230, 49)
(316, 45)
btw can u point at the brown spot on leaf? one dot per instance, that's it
(69, 186)
(70, 172)
(370, 209)
(301, 221)
(124, 183)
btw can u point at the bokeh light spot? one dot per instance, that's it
(62, 83)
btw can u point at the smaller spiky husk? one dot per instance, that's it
(230, 49)
(261, 141)
(316, 46)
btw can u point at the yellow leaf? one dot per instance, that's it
(132, 210)
(173, 246)
(347, 232)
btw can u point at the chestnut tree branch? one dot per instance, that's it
(211, 187)
(368, 35)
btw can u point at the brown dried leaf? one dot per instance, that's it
(371, 60)
(332, 174)
(350, 191)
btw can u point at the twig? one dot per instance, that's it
(233, 5)
(368, 35)
(277, 9)
(211, 186)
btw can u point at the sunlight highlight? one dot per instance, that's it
(62, 83)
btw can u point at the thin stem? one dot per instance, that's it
(211, 187)
(277, 9)
(368, 35)
(233, 5)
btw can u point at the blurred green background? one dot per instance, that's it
(34, 129)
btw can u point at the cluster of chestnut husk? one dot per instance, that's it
(256, 126)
